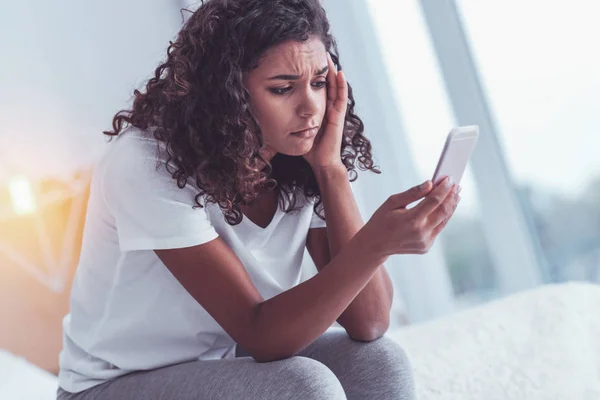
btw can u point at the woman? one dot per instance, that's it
(216, 181)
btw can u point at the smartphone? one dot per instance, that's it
(457, 151)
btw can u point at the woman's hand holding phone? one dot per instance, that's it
(396, 229)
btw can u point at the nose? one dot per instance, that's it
(309, 103)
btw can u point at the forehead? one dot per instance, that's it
(294, 57)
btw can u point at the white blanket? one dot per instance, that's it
(21, 380)
(540, 344)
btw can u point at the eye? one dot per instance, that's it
(280, 91)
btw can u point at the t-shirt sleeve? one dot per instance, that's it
(150, 211)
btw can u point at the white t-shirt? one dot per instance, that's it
(127, 311)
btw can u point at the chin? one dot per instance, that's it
(299, 150)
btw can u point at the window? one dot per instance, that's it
(427, 116)
(539, 64)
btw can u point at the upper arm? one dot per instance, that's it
(215, 277)
(317, 244)
(317, 241)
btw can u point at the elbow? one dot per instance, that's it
(266, 351)
(370, 332)
(266, 345)
(265, 357)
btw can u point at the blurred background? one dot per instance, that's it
(525, 72)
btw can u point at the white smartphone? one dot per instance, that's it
(457, 151)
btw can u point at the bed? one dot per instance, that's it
(21, 380)
(540, 344)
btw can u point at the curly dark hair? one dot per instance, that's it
(198, 107)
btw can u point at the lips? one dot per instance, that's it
(307, 132)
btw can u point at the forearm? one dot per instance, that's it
(290, 321)
(367, 316)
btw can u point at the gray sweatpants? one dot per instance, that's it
(333, 367)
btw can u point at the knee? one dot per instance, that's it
(383, 353)
(379, 369)
(309, 379)
(392, 362)
(389, 355)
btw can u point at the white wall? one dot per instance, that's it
(67, 67)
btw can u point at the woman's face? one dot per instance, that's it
(288, 94)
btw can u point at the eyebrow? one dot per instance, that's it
(296, 77)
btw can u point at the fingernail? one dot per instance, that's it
(459, 188)
(448, 182)
(424, 185)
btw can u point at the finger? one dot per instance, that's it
(331, 81)
(438, 229)
(435, 198)
(401, 200)
(341, 103)
(442, 214)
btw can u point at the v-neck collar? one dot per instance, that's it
(276, 217)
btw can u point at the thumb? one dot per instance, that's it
(401, 200)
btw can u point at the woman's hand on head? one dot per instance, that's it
(325, 152)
